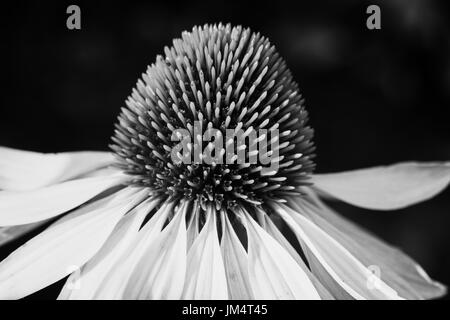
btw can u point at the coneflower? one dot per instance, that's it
(139, 223)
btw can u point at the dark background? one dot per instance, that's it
(375, 96)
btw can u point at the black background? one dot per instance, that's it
(375, 96)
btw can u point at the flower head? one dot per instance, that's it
(149, 222)
(218, 77)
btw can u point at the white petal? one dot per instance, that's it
(386, 188)
(84, 284)
(115, 282)
(8, 234)
(355, 278)
(331, 285)
(25, 170)
(161, 270)
(272, 230)
(36, 205)
(396, 269)
(193, 226)
(236, 262)
(62, 248)
(274, 274)
(205, 275)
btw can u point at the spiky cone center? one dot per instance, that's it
(223, 77)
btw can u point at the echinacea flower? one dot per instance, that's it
(136, 224)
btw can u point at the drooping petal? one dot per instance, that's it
(84, 284)
(205, 274)
(386, 188)
(161, 270)
(235, 259)
(398, 270)
(8, 234)
(272, 230)
(64, 247)
(26, 170)
(193, 225)
(331, 285)
(116, 280)
(30, 206)
(355, 278)
(274, 274)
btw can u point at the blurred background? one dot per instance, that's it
(375, 96)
